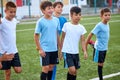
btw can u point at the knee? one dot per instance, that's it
(72, 72)
(19, 70)
(100, 64)
(7, 72)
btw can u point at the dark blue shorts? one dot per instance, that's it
(72, 60)
(99, 56)
(13, 63)
(50, 58)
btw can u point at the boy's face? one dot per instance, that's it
(48, 11)
(58, 9)
(106, 16)
(76, 17)
(10, 13)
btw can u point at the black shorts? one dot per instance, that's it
(50, 58)
(99, 56)
(13, 63)
(73, 60)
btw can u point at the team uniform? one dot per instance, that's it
(48, 39)
(71, 41)
(62, 20)
(101, 44)
(8, 43)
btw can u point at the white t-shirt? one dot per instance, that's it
(8, 36)
(72, 37)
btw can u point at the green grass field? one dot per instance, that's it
(30, 57)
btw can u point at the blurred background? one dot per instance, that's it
(30, 8)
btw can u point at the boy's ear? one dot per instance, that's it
(5, 10)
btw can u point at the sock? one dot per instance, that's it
(50, 75)
(71, 77)
(43, 76)
(100, 72)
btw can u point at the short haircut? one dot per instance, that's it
(56, 3)
(75, 9)
(45, 4)
(10, 4)
(104, 10)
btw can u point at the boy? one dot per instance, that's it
(72, 33)
(101, 31)
(5, 57)
(58, 6)
(8, 40)
(47, 27)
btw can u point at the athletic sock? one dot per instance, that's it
(50, 75)
(100, 72)
(43, 76)
(71, 77)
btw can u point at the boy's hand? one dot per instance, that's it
(7, 57)
(85, 55)
(42, 53)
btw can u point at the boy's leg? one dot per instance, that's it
(43, 76)
(101, 59)
(71, 75)
(54, 73)
(16, 63)
(0, 65)
(7, 74)
(53, 61)
(100, 66)
(73, 64)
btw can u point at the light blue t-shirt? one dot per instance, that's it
(48, 33)
(102, 34)
(62, 21)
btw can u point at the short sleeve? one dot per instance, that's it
(64, 28)
(96, 29)
(38, 27)
(84, 30)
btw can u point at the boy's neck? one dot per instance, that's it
(104, 22)
(8, 18)
(75, 23)
(48, 17)
(57, 14)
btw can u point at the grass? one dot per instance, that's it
(30, 57)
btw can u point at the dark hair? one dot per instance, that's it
(104, 10)
(56, 3)
(75, 9)
(10, 4)
(45, 4)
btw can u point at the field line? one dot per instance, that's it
(25, 30)
(107, 76)
(98, 17)
(33, 22)
(83, 24)
(95, 23)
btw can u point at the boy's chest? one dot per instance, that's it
(8, 27)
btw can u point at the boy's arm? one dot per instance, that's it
(88, 39)
(38, 47)
(62, 39)
(83, 46)
(6, 57)
(58, 41)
